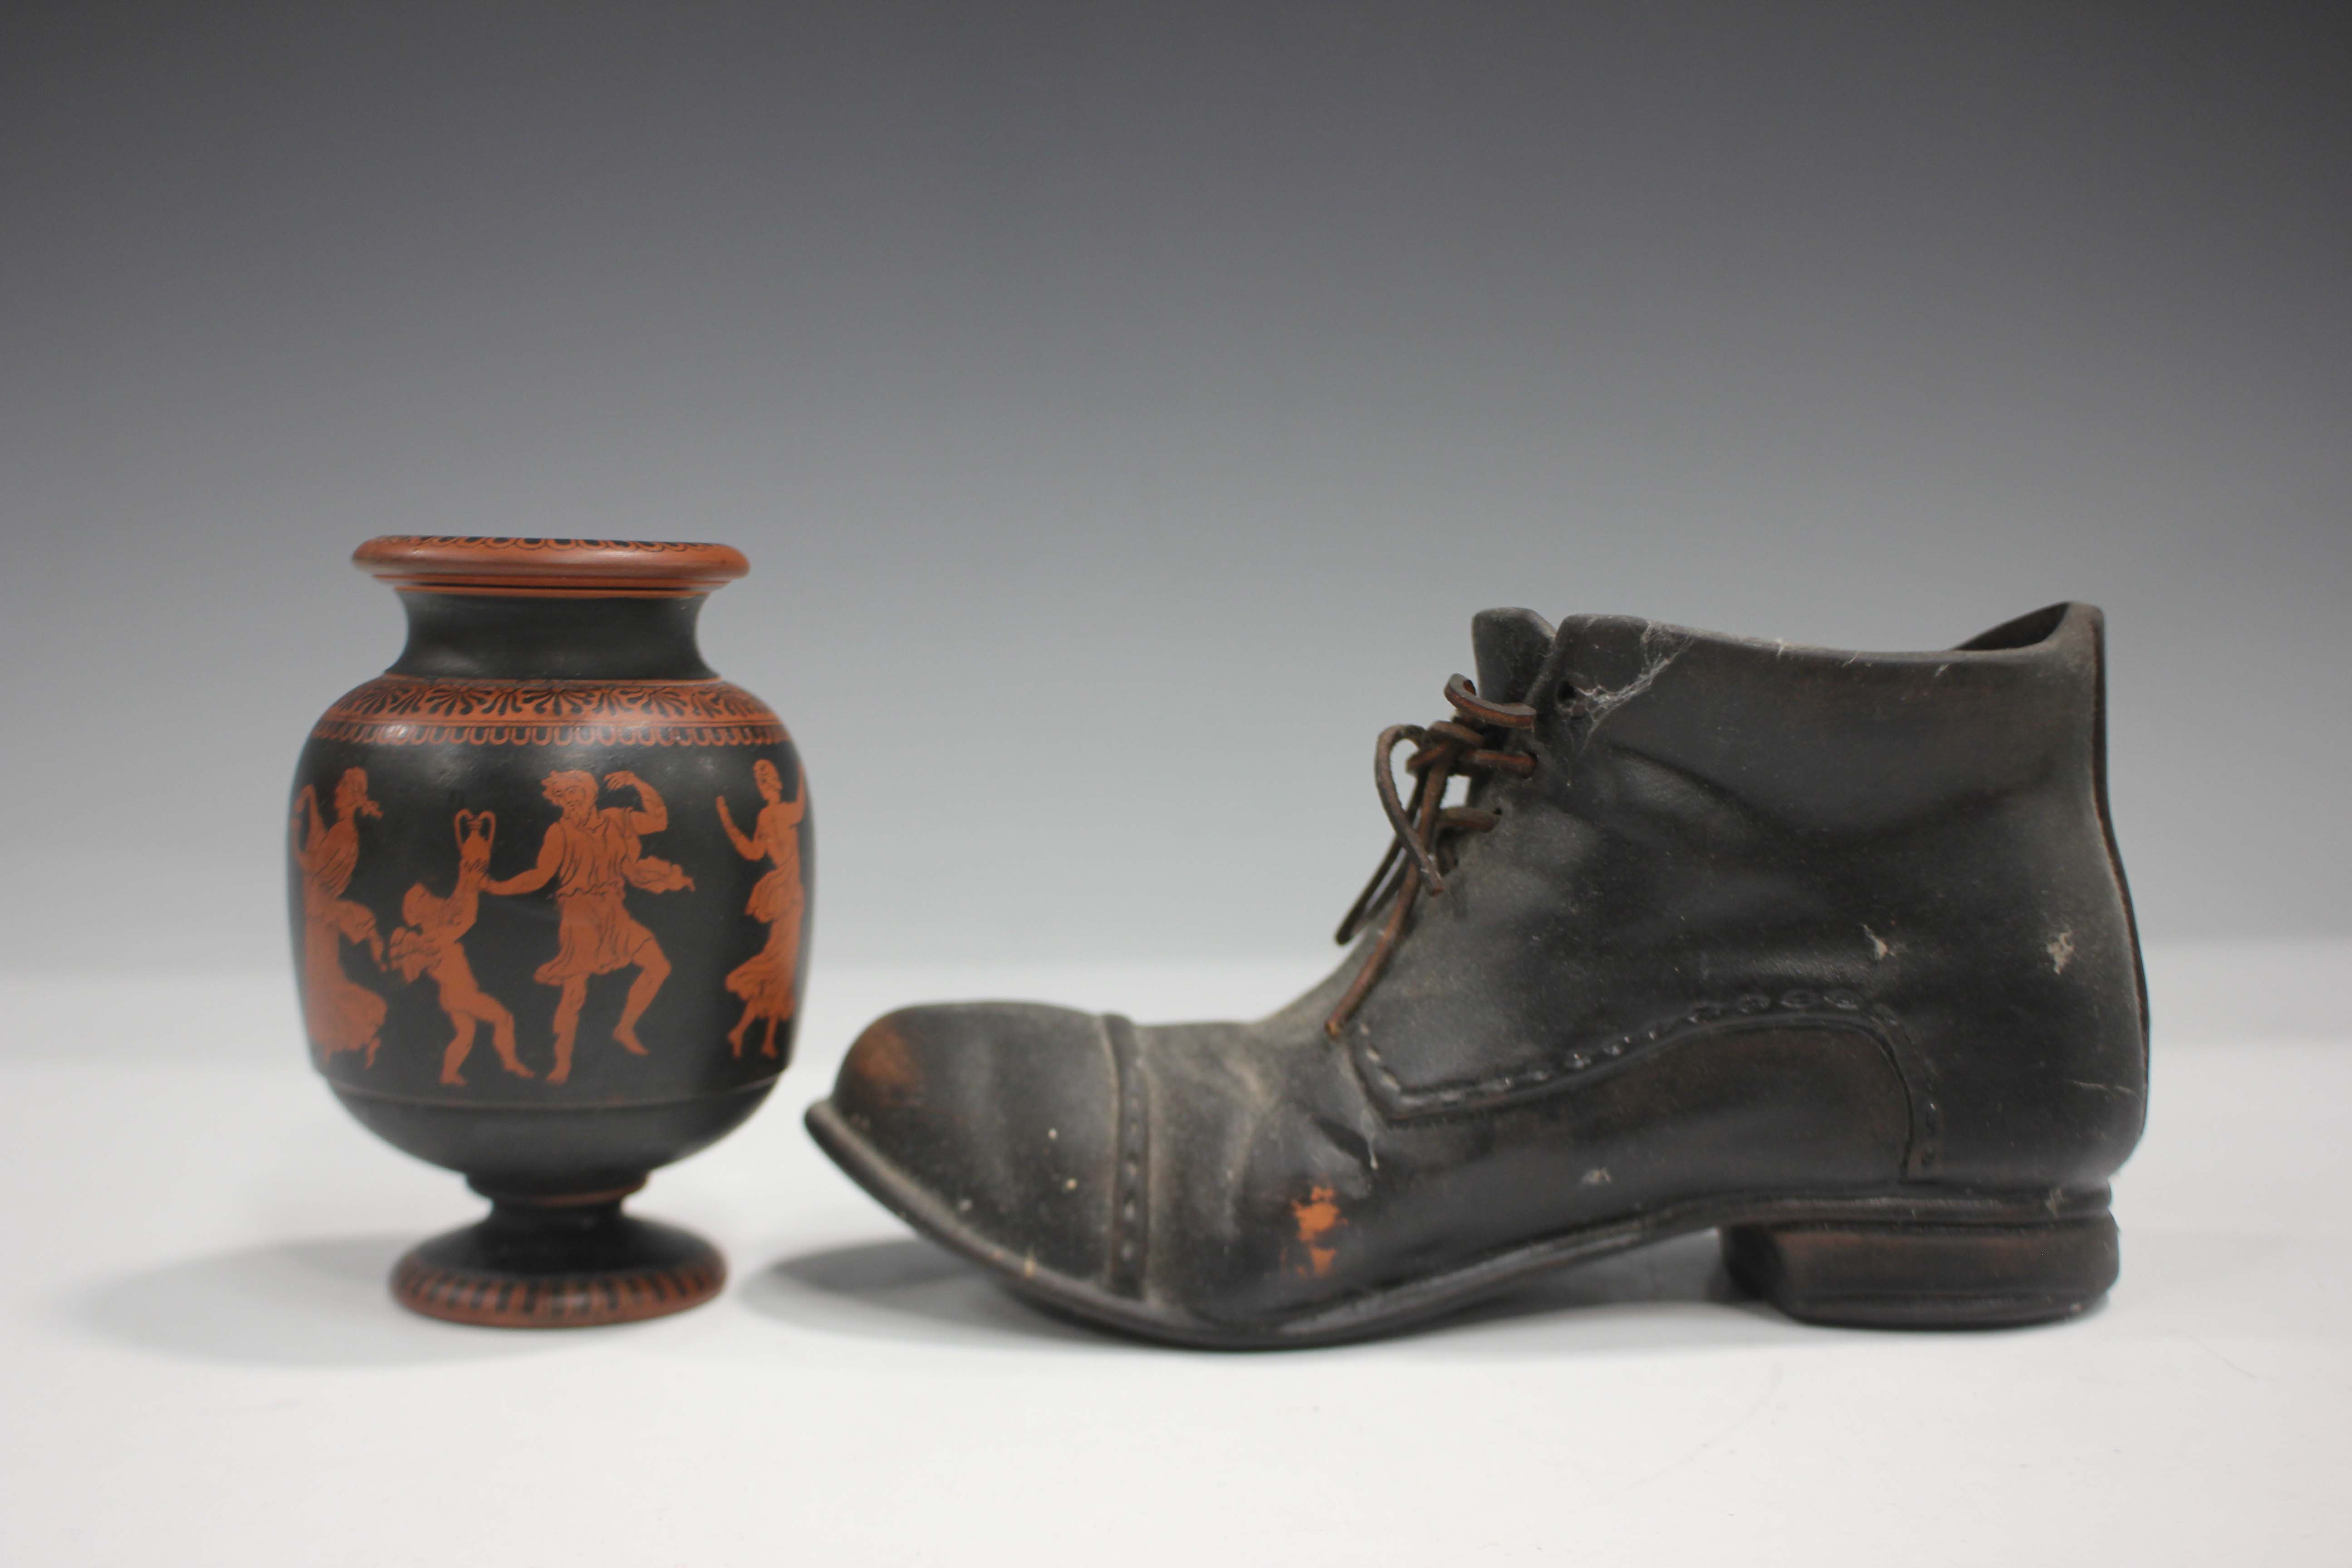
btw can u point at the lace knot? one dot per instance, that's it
(1467, 744)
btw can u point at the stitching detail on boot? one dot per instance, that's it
(1130, 1211)
(1837, 1006)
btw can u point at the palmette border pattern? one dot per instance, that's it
(406, 710)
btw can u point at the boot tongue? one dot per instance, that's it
(1510, 645)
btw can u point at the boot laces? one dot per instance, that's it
(1468, 744)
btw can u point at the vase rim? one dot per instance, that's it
(635, 568)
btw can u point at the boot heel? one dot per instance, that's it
(1926, 1276)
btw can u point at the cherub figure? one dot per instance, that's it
(338, 1015)
(591, 854)
(432, 943)
(764, 980)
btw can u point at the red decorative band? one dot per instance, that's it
(446, 563)
(555, 1301)
(518, 545)
(403, 710)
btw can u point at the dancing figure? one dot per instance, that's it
(591, 854)
(340, 1015)
(764, 981)
(432, 943)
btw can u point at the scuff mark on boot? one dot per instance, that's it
(1318, 1215)
(2061, 949)
(1659, 649)
(881, 1062)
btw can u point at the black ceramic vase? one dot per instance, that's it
(549, 877)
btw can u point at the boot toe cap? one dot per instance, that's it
(1004, 1114)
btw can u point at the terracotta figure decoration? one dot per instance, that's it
(767, 981)
(618, 953)
(593, 854)
(432, 942)
(340, 1016)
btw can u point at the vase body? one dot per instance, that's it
(549, 877)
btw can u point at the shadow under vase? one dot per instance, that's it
(309, 1303)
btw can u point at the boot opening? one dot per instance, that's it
(2022, 632)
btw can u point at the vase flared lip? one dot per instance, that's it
(578, 568)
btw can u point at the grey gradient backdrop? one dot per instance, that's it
(1124, 407)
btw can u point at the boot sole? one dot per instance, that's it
(1887, 1260)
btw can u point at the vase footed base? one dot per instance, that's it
(560, 1264)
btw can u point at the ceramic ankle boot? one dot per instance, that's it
(1829, 952)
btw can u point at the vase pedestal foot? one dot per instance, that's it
(571, 1262)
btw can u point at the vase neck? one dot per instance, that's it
(537, 637)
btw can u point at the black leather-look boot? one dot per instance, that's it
(1831, 952)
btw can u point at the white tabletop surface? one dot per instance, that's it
(199, 1362)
